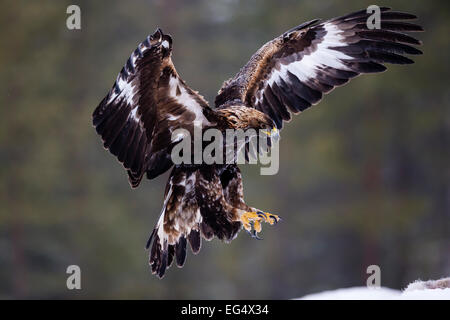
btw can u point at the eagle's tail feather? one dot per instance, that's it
(195, 241)
(179, 223)
(180, 251)
(162, 254)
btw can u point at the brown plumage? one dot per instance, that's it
(149, 101)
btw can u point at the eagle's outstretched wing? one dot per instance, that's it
(146, 103)
(293, 71)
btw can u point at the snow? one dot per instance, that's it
(355, 293)
(418, 290)
(427, 294)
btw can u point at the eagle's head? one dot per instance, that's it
(238, 116)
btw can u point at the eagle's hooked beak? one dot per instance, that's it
(271, 132)
(274, 133)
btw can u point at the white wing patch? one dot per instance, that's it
(126, 88)
(134, 114)
(306, 68)
(185, 99)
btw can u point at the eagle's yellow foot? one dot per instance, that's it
(252, 221)
(268, 217)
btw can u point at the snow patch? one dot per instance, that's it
(364, 293)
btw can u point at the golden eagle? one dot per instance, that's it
(149, 100)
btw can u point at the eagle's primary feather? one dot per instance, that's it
(149, 100)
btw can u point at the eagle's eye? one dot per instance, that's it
(233, 119)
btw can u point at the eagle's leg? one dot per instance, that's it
(233, 191)
(251, 221)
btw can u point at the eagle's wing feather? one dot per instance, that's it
(293, 71)
(147, 102)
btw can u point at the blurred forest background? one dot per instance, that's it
(364, 177)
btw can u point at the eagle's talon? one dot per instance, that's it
(261, 214)
(255, 235)
(273, 219)
(257, 226)
(251, 221)
(247, 227)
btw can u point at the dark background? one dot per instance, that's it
(364, 177)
